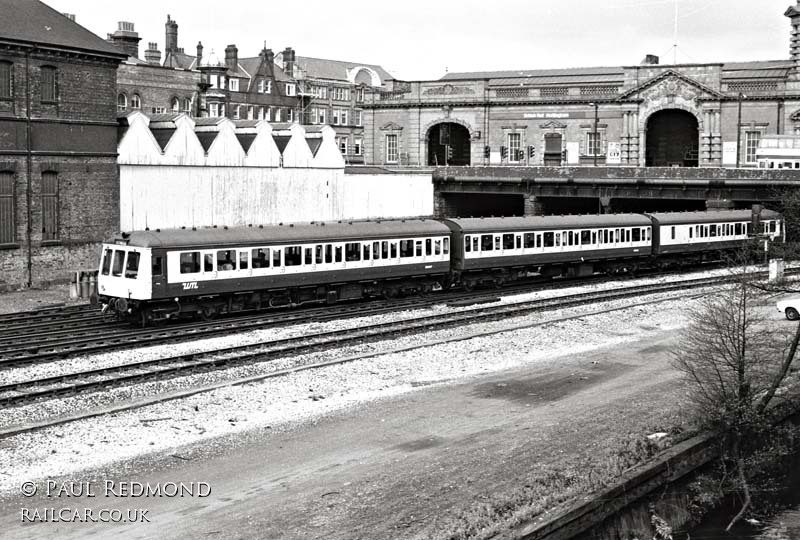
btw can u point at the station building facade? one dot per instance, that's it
(59, 184)
(684, 115)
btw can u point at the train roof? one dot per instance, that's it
(474, 225)
(282, 234)
(713, 216)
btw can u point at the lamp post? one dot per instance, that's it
(739, 129)
(595, 142)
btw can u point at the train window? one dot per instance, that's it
(586, 237)
(508, 241)
(384, 250)
(107, 256)
(226, 260)
(548, 239)
(467, 243)
(190, 262)
(119, 258)
(529, 240)
(474, 244)
(538, 240)
(366, 252)
(737, 229)
(318, 254)
(713, 231)
(276, 258)
(690, 232)
(158, 267)
(437, 247)
(352, 252)
(627, 235)
(446, 246)
(418, 250)
(558, 239)
(637, 234)
(132, 265)
(672, 232)
(749, 229)
(337, 251)
(393, 250)
(497, 243)
(328, 253)
(293, 256)
(309, 255)
(406, 248)
(428, 247)
(570, 238)
(486, 242)
(376, 250)
(208, 262)
(243, 262)
(261, 257)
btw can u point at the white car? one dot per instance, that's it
(790, 308)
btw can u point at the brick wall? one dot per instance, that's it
(156, 85)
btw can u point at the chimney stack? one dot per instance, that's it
(650, 60)
(171, 41)
(199, 53)
(126, 39)
(152, 55)
(794, 41)
(70, 16)
(288, 61)
(231, 57)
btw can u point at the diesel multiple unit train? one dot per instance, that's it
(154, 275)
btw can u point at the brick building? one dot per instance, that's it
(687, 115)
(58, 173)
(333, 92)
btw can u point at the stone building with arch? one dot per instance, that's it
(679, 115)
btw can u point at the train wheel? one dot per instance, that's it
(469, 286)
(207, 313)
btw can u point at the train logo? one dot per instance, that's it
(189, 285)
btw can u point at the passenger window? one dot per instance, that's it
(690, 233)
(308, 252)
(208, 262)
(519, 241)
(107, 256)
(406, 248)
(570, 237)
(328, 253)
(558, 239)
(549, 239)
(713, 231)
(418, 250)
(384, 250)
(529, 240)
(352, 252)
(627, 235)
(293, 256)
(467, 244)
(474, 243)
(158, 267)
(318, 254)
(132, 266)
(276, 258)
(446, 246)
(486, 242)
(428, 248)
(594, 238)
(376, 250)
(586, 237)
(538, 240)
(190, 262)
(437, 247)
(497, 243)
(393, 249)
(243, 262)
(508, 241)
(366, 251)
(119, 259)
(226, 260)
(261, 257)
(337, 254)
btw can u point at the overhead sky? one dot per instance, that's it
(424, 39)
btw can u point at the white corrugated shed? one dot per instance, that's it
(177, 171)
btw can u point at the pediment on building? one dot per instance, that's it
(553, 124)
(391, 126)
(672, 84)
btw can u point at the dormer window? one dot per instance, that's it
(290, 91)
(233, 85)
(260, 86)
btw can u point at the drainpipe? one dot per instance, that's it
(28, 166)
(739, 131)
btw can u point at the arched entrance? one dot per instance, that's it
(452, 135)
(673, 139)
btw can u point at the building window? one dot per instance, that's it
(187, 105)
(236, 112)
(159, 110)
(514, 146)
(260, 86)
(233, 85)
(290, 115)
(8, 234)
(342, 142)
(751, 140)
(268, 114)
(214, 110)
(176, 105)
(391, 148)
(251, 114)
(289, 89)
(341, 94)
(359, 95)
(49, 206)
(122, 103)
(335, 117)
(343, 117)
(268, 89)
(321, 116)
(359, 120)
(593, 144)
(357, 146)
(49, 84)
(136, 102)
(5, 79)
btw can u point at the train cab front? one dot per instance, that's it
(124, 281)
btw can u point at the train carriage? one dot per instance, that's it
(160, 274)
(506, 248)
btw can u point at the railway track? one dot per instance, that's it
(158, 369)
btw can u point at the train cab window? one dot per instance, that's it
(293, 256)
(208, 262)
(276, 258)
(226, 260)
(260, 258)
(376, 250)
(487, 240)
(309, 258)
(352, 252)
(384, 250)
(243, 262)
(158, 265)
(529, 240)
(366, 252)
(437, 247)
(119, 258)
(337, 254)
(446, 246)
(328, 253)
(428, 247)
(190, 262)
(508, 241)
(318, 258)
(107, 256)
(132, 265)
(637, 234)
(418, 248)
(549, 239)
